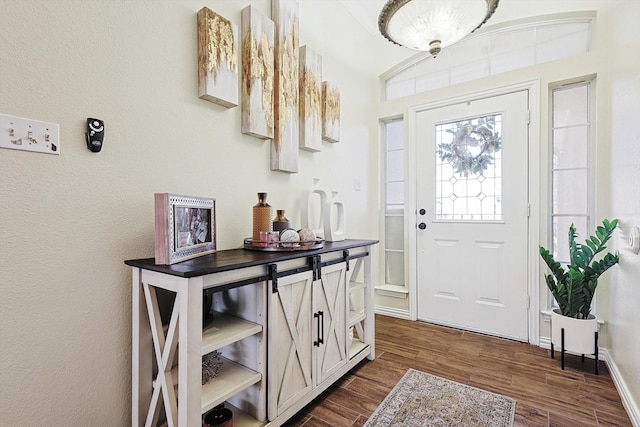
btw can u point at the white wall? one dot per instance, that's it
(68, 222)
(624, 297)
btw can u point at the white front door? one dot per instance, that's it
(472, 215)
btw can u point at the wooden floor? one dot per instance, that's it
(546, 395)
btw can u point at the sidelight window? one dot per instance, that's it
(394, 203)
(571, 166)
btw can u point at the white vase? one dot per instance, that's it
(579, 334)
(313, 210)
(334, 225)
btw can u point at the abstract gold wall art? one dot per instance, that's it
(217, 58)
(330, 112)
(284, 149)
(310, 100)
(258, 33)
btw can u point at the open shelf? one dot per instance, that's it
(232, 379)
(225, 330)
(356, 316)
(356, 347)
(242, 419)
(356, 286)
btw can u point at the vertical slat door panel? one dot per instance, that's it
(329, 298)
(290, 342)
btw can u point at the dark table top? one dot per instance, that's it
(232, 259)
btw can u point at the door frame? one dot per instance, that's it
(411, 219)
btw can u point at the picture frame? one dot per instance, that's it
(185, 227)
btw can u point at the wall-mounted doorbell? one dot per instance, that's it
(95, 134)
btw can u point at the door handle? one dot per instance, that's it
(320, 328)
(422, 226)
(422, 211)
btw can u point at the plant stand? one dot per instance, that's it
(562, 349)
(577, 336)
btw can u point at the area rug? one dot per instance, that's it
(421, 400)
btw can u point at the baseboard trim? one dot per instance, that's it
(392, 312)
(630, 405)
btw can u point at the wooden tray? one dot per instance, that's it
(255, 245)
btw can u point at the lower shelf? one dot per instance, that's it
(356, 316)
(233, 378)
(242, 419)
(356, 347)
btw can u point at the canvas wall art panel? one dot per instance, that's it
(284, 149)
(217, 58)
(258, 35)
(310, 67)
(330, 112)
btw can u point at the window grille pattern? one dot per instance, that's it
(469, 169)
(492, 53)
(571, 188)
(394, 202)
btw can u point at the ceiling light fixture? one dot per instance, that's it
(431, 25)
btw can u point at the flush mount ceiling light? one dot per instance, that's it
(431, 25)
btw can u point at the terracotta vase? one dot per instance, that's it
(262, 214)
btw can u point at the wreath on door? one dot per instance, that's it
(473, 147)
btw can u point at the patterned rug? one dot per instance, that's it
(421, 400)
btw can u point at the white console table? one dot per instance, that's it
(287, 324)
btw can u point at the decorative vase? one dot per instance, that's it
(313, 209)
(334, 225)
(280, 222)
(262, 213)
(579, 334)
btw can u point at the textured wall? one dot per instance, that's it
(68, 222)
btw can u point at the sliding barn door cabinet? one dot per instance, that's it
(286, 325)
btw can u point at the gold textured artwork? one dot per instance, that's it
(258, 34)
(284, 149)
(310, 100)
(217, 58)
(330, 112)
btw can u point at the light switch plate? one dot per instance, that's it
(634, 240)
(19, 133)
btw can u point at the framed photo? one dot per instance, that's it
(185, 227)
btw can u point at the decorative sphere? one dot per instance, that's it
(307, 236)
(289, 237)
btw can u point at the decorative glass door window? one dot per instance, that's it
(469, 169)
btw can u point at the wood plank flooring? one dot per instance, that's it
(546, 395)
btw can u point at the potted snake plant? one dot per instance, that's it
(574, 286)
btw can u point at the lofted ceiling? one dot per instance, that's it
(366, 13)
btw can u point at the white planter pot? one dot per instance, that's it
(579, 334)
